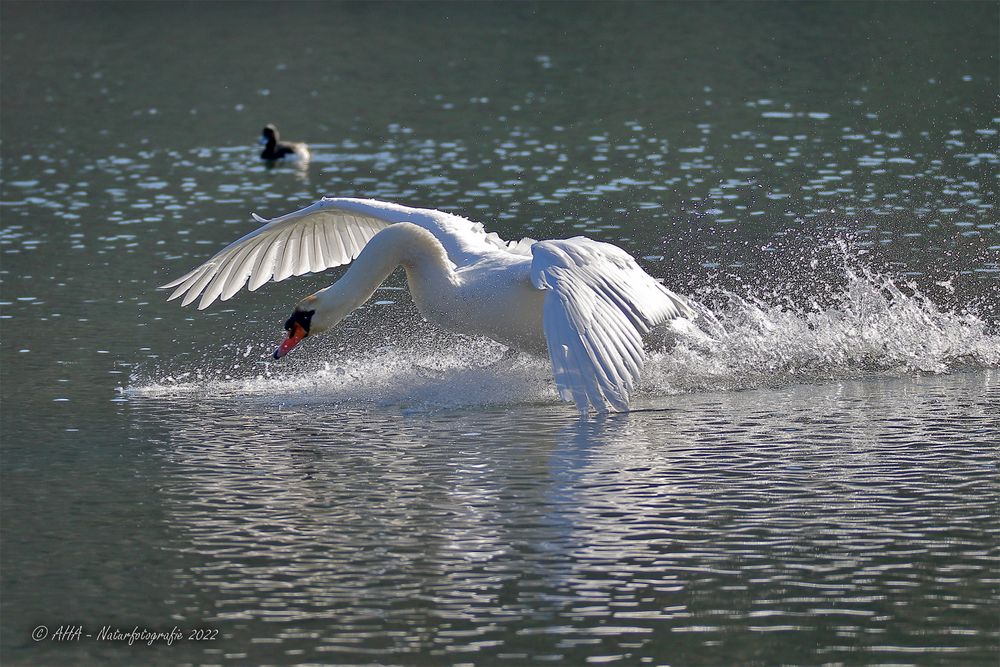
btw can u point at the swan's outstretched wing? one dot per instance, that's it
(598, 305)
(329, 233)
(314, 238)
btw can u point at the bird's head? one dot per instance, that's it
(297, 326)
(268, 134)
(313, 315)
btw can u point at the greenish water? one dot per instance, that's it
(817, 487)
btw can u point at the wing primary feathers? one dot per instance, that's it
(239, 278)
(318, 255)
(336, 246)
(214, 288)
(354, 246)
(333, 238)
(600, 303)
(587, 380)
(235, 270)
(263, 268)
(198, 286)
(616, 368)
(567, 376)
(178, 281)
(286, 267)
(192, 279)
(303, 260)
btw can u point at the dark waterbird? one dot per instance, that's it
(275, 149)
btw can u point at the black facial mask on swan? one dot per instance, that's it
(297, 327)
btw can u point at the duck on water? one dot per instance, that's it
(275, 149)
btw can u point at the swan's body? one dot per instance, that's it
(584, 302)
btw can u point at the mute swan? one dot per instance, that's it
(275, 149)
(584, 302)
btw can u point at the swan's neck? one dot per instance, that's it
(402, 244)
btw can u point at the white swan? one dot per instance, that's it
(586, 303)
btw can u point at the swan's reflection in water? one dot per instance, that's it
(516, 534)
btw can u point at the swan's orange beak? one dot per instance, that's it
(295, 335)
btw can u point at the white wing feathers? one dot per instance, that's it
(329, 233)
(597, 306)
(314, 238)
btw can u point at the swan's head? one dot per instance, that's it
(297, 326)
(312, 315)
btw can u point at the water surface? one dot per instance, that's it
(816, 485)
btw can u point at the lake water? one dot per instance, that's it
(819, 485)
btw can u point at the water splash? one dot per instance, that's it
(870, 326)
(438, 373)
(865, 325)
